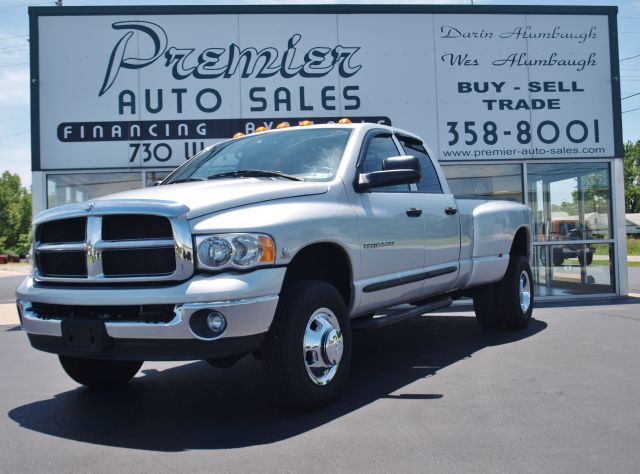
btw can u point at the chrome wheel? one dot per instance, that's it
(525, 291)
(323, 346)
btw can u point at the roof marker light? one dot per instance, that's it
(305, 123)
(344, 121)
(261, 129)
(238, 135)
(283, 125)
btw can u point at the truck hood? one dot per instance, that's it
(194, 199)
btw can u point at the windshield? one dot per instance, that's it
(306, 154)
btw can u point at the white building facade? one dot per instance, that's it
(518, 103)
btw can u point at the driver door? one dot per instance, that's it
(391, 232)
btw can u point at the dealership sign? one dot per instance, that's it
(145, 90)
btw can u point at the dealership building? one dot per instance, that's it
(517, 103)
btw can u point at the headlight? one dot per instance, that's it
(216, 252)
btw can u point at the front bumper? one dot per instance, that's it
(247, 300)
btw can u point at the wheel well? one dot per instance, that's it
(520, 245)
(323, 262)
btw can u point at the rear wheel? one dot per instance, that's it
(516, 294)
(558, 259)
(485, 305)
(97, 373)
(581, 259)
(308, 349)
(509, 302)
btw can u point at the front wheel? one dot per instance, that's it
(308, 349)
(97, 373)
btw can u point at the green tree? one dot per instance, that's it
(632, 177)
(15, 215)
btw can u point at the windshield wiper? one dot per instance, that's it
(254, 174)
(184, 180)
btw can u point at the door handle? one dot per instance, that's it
(414, 212)
(450, 211)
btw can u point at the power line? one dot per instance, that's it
(630, 57)
(15, 134)
(12, 65)
(14, 36)
(17, 5)
(632, 95)
(631, 110)
(19, 48)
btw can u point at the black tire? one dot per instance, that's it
(97, 373)
(485, 304)
(581, 258)
(558, 259)
(511, 307)
(285, 359)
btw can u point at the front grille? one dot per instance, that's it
(135, 227)
(64, 230)
(62, 264)
(158, 261)
(113, 247)
(155, 313)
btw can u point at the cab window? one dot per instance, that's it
(429, 182)
(380, 147)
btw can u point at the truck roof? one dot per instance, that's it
(362, 125)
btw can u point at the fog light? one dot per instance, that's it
(216, 322)
(208, 323)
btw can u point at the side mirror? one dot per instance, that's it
(395, 170)
(401, 163)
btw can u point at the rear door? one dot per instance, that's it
(442, 222)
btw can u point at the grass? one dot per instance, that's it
(633, 247)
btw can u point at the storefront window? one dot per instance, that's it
(571, 213)
(573, 269)
(570, 201)
(70, 188)
(154, 177)
(500, 182)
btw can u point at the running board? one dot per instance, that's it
(400, 315)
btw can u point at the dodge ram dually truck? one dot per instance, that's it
(278, 244)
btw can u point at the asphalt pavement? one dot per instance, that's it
(432, 394)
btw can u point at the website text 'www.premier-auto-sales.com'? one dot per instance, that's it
(525, 152)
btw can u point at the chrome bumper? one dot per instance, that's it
(247, 300)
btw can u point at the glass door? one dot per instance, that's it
(573, 241)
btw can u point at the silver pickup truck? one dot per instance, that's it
(279, 244)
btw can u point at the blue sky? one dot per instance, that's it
(15, 147)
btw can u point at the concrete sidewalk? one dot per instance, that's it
(8, 269)
(8, 311)
(630, 258)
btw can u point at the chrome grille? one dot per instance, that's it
(113, 247)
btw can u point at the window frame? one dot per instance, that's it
(364, 149)
(399, 137)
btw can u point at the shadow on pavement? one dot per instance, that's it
(194, 406)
